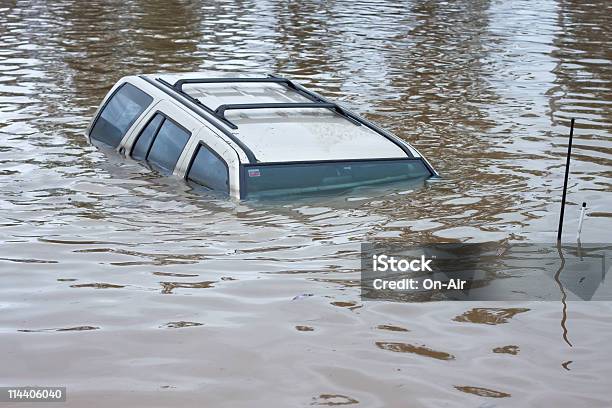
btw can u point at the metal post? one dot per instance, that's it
(567, 166)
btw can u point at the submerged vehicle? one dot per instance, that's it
(249, 136)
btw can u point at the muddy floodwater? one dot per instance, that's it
(130, 289)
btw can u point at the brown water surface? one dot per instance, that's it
(132, 290)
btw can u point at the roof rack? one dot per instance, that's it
(178, 86)
(318, 101)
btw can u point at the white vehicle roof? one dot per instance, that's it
(288, 134)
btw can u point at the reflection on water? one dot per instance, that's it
(100, 257)
(391, 328)
(489, 315)
(178, 325)
(409, 348)
(78, 328)
(483, 392)
(514, 350)
(333, 400)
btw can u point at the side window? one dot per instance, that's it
(161, 143)
(119, 113)
(143, 144)
(167, 146)
(209, 170)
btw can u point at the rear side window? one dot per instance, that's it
(119, 113)
(209, 170)
(143, 144)
(161, 143)
(167, 146)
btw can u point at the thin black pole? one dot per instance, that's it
(567, 166)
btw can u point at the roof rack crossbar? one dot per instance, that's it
(179, 84)
(220, 111)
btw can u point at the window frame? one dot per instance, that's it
(166, 117)
(201, 144)
(105, 104)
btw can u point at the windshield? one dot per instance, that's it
(295, 178)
